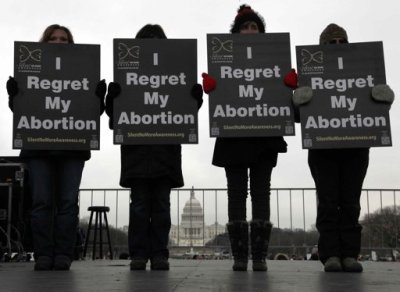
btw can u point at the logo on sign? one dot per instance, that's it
(128, 57)
(221, 50)
(29, 59)
(312, 62)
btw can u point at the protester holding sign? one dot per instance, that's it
(150, 171)
(240, 155)
(54, 178)
(339, 175)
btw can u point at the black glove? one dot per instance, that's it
(12, 87)
(100, 92)
(12, 90)
(101, 89)
(197, 94)
(114, 89)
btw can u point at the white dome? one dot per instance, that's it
(193, 211)
(193, 206)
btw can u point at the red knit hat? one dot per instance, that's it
(246, 13)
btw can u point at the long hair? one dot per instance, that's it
(51, 28)
(151, 31)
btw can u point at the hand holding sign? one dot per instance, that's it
(382, 93)
(290, 79)
(100, 92)
(12, 87)
(209, 83)
(302, 95)
(114, 89)
(197, 94)
(101, 89)
(12, 90)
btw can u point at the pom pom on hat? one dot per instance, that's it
(246, 13)
(332, 31)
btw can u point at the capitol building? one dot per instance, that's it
(192, 230)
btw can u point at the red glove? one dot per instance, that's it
(209, 83)
(290, 79)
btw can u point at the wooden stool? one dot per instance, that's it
(98, 226)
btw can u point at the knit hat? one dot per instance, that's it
(330, 32)
(245, 13)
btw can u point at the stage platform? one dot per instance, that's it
(198, 275)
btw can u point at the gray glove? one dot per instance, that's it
(382, 93)
(302, 95)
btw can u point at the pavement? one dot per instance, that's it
(198, 275)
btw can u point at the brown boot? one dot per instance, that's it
(351, 265)
(260, 232)
(333, 264)
(239, 238)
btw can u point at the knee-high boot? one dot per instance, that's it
(239, 238)
(260, 232)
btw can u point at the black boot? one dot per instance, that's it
(239, 238)
(259, 233)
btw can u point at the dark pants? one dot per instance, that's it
(149, 218)
(338, 176)
(54, 219)
(260, 177)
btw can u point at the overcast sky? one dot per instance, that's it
(99, 21)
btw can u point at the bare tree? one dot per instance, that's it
(382, 228)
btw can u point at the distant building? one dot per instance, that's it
(192, 230)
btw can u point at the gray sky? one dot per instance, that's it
(99, 21)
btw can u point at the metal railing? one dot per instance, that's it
(292, 210)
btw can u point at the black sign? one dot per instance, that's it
(156, 78)
(342, 113)
(251, 98)
(56, 107)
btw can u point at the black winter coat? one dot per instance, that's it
(55, 154)
(151, 161)
(247, 150)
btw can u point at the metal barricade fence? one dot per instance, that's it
(199, 215)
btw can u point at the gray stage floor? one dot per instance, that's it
(198, 275)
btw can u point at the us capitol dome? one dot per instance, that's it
(192, 230)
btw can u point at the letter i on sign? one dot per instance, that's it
(340, 63)
(58, 63)
(155, 59)
(249, 53)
